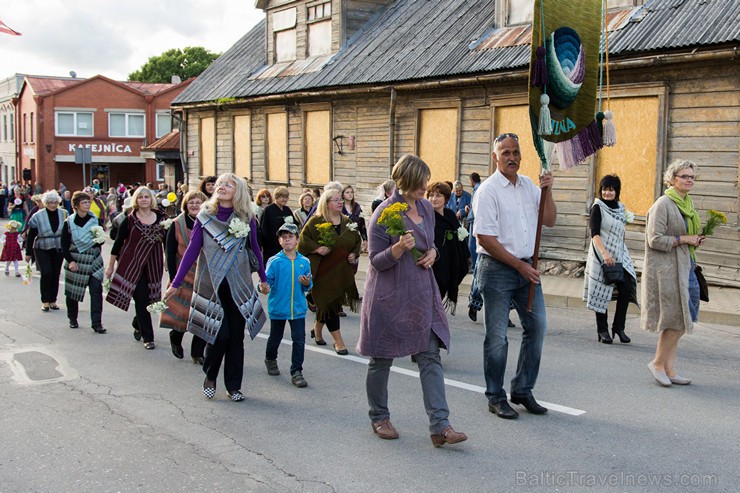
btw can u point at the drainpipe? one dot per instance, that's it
(180, 116)
(392, 129)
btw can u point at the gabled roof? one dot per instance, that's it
(45, 85)
(423, 40)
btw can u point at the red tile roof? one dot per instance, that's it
(44, 85)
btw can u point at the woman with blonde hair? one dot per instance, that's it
(140, 257)
(305, 204)
(402, 312)
(331, 242)
(224, 301)
(670, 290)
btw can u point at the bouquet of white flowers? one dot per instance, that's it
(238, 228)
(288, 220)
(106, 284)
(158, 307)
(629, 216)
(166, 223)
(352, 226)
(462, 233)
(98, 234)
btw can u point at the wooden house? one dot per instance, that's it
(340, 89)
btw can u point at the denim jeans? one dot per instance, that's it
(500, 286)
(475, 300)
(693, 294)
(297, 334)
(432, 386)
(472, 245)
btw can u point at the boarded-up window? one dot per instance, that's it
(634, 156)
(438, 141)
(208, 146)
(319, 38)
(317, 135)
(515, 119)
(277, 147)
(284, 27)
(242, 146)
(520, 11)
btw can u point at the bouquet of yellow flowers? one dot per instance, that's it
(392, 219)
(327, 234)
(714, 219)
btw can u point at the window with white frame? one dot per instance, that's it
(284, 29)
(164, 123)
(5, 128)
(319, 29)
(12, 128)
(160, 170)
(74, 123)
(126, 125)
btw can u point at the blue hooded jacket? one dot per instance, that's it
(287, 297)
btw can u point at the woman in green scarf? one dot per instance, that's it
(670, 291)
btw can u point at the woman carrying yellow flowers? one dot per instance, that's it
(402, 312)
(332, 243)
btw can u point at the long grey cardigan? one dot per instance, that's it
(665, 273)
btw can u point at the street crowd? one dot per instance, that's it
(421, 239)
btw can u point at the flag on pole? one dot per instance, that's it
(5, 29)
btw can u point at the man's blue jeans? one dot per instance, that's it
(500, 286)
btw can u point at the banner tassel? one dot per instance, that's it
(610, 131)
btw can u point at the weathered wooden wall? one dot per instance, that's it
(702, 119)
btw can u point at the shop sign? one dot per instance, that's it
(112, 147)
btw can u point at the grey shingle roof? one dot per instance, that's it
(422, 39)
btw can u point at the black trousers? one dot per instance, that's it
(49, 263)
(229, 344)
(96, 303)
(623, 301)
(197, 346)
(143, 317)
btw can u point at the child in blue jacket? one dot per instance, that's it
(289, 277)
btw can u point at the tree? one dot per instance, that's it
(187, 63)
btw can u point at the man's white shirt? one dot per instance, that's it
(508, 212)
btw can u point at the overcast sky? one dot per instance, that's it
(114, 37)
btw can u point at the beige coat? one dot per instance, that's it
(665, 273)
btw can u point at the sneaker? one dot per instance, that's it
(298, 380)
(272, 367)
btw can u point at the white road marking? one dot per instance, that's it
(415, 374)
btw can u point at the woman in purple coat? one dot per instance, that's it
(402, 311)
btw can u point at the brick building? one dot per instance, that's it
(54, 116)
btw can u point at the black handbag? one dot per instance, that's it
(703, 288)
(613, 274)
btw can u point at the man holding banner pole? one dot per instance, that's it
(506, 208)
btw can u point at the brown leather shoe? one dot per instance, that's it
(448, 435)
(384, 429)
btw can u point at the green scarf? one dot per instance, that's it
(686, 206)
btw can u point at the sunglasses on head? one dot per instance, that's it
(506, 135)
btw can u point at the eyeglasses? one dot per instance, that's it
(225, 185)
(687, 177)
(506, 135)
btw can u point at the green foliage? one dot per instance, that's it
(187, 63)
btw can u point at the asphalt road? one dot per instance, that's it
(86, 412)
